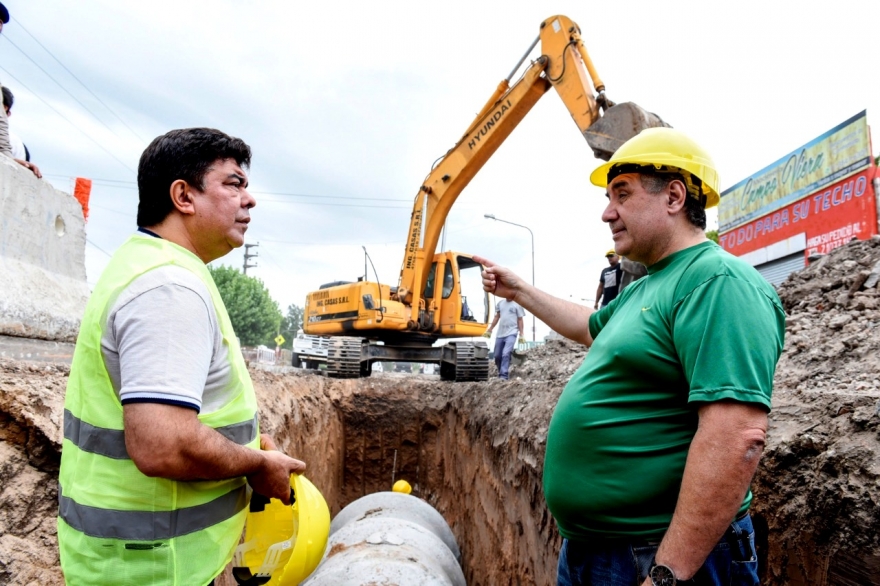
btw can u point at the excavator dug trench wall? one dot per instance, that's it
(474, 451)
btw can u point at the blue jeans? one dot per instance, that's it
(503, 349)
(733, 562)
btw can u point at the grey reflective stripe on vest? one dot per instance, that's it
(241, 433)
(146, 525)
(111, 442)
(96, 440)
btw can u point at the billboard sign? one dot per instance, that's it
(828, 218)
(842, 151)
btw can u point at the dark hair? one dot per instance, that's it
(694, 203)
(8, 98)
(185, 154)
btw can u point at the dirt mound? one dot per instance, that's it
(31, 401)
(556, 360)
(817, 487)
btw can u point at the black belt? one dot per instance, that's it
(741, 516)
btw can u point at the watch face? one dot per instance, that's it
(662, 576)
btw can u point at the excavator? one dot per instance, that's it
(368, 321)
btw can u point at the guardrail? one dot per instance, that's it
(265, 355)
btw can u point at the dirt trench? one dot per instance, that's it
(472, 451)
(475, 451)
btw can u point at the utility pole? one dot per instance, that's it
(248, 255)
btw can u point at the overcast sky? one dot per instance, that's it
(347, 104)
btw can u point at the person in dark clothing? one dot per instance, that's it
(609, 280)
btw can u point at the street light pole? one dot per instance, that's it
(492, 217)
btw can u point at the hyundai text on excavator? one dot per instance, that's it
(369, 321)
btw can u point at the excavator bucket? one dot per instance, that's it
(616, 126)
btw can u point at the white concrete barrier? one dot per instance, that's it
(43, 289)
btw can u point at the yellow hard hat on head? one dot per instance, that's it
(665, 147)
(611, 253)
(402, 486)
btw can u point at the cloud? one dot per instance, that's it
(357, 100)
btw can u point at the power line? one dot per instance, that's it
(19, 24)
(126, 214)
(338, 205)
(290, 194)
(99, 248)
(285, 193)
(59, 84)
(324, 242)
(51, 107)
(118, 183)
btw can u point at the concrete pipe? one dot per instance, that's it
(389, 538)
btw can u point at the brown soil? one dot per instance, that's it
(475, 451)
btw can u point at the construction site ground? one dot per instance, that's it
(475, 450)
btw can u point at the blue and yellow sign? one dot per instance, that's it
(840, 152)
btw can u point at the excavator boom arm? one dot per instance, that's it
(564, 65)
(447, 180)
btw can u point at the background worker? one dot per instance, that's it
(19, 151)
(161, 434)
(5, 144)
(510, 315)
(609, 280)
(656, 437)
(5, 148)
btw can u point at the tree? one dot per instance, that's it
(713, 236)
(291, 323)
(255, 316)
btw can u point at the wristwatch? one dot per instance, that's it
(664, 576)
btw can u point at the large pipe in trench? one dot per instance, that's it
(389, 538)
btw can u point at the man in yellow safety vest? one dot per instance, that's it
(161, 436)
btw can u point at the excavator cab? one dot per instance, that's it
(459, 278)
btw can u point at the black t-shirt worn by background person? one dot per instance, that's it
(610, 279)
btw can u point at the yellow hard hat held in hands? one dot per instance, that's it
(283, 543)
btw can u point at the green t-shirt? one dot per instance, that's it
(702, 326)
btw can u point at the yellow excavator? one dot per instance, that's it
(370, 322)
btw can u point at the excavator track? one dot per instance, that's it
(471, 363)
(344, 357)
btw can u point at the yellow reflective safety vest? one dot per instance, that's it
(117, 526)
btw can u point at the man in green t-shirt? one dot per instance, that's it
(655, 439)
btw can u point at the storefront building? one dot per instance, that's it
(807, 203)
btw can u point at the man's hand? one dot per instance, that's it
(487, 334)
(30, 166)
(521, 340)
(272, 479)
(499, 280)
(267, 443)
